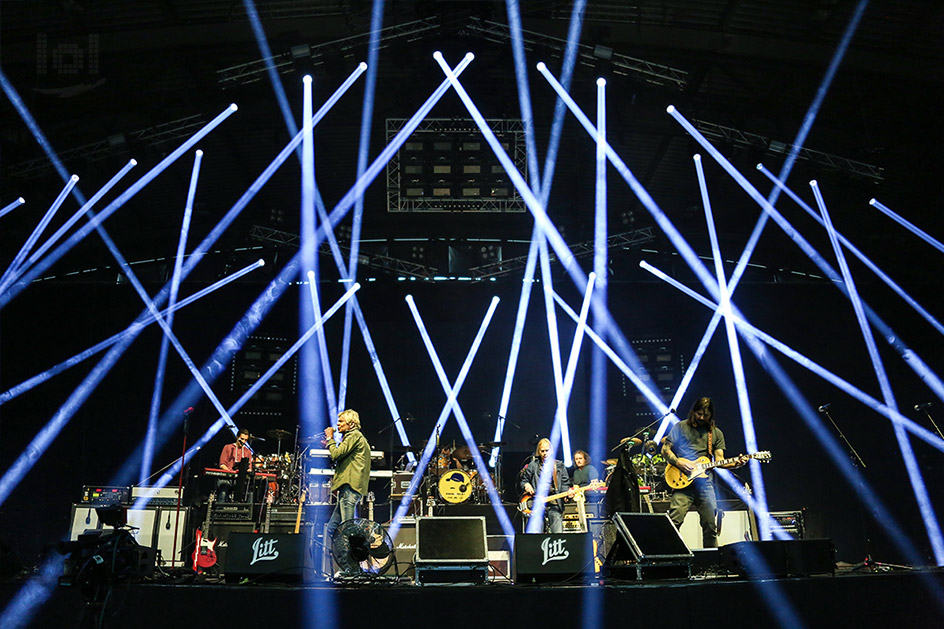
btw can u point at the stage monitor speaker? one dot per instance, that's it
(451, 550)
(444, 540)
(647, 545)
(547, 557)
(281, 557)
(780, 558)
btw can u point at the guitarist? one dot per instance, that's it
(560, 482)
(689, 439)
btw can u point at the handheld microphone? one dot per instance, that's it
(255, 438)
(922, 407)
(825, 407)
(188, 410)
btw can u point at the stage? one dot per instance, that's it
(904, 598)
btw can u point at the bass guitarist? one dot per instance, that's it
(560, 482)
(689, 439)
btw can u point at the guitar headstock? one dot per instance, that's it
(763, 456)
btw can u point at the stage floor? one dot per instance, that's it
(905, 598)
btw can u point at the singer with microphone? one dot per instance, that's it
(235, 457)
(352, 468)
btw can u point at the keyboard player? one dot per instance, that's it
(235, 457)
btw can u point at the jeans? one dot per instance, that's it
(345, 510)
(553, 521)
(701, 493)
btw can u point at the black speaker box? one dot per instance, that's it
(547, 557)
(780, 557)
(282, 557)
(646, 545)
(222, 531)
(404, 546)
(451, 550)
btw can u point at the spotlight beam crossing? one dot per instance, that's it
(451, 406)
(740, 381)
(157, 394)
(911, 463)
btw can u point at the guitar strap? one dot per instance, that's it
(711, 432)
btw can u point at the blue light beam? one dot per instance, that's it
(911, 464)
(157, 394)
(740, 381)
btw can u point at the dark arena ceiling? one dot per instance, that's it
(106, 82)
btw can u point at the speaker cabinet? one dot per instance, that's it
(404, 547)
(282, 557)
(157, 527)
(451, 550)
(646, 546)
(780, 558)
(547, 557)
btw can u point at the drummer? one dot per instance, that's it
(461, 459)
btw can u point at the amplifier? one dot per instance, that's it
(101, 495)
(156, 496)
(232, 512)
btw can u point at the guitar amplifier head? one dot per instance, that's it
(101, 495)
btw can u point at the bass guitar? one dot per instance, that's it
(527, 501)
(677, 479)
(204, 555)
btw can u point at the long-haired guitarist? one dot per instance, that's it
(560, 482)
(697, 436)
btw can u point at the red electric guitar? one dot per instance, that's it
(204, 555)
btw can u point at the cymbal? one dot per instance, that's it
(609, 462)
(278, 434)
(491, 444)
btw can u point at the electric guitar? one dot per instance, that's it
(527, 501)
(204, 555)
(677, 479)
(270, 495)
(298, 516)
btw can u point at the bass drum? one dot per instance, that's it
(455, 486)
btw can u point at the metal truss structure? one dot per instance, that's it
(501, 127)
(737, 137)
(370, 260)
(650, 72)
(151, 136)
(252, 71)
(625, 240)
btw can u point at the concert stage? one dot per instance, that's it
(906, 598)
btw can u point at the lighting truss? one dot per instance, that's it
(371, 260)
(511, 129)
(647, 70)
(151, 136)
(737, 137)
(623, 240)
(253, 71)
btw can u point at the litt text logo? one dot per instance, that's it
(264, 550)
(554, 550)
(66, 57)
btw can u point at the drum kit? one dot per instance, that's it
(281, 470)
(453, 476)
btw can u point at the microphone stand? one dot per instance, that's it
(857, 461)
(931, 419)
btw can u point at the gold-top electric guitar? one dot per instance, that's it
(677, 479)
(528, 499)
